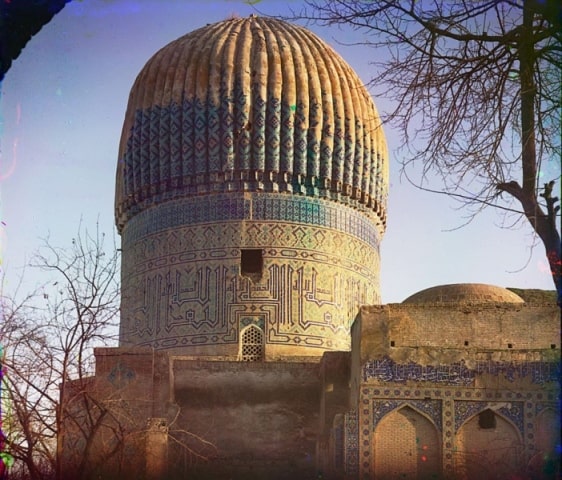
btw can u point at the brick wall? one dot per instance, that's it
(261, 418)
(442, 331)
(486, 325)
(406, 445)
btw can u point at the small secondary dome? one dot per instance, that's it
(250, 104)
(464, 293)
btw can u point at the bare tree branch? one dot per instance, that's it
(47, 338)
(476, 91)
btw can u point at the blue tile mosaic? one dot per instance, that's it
(459, 374)
(465, 409)
(432, 408)
(257, 206)
(351, 444)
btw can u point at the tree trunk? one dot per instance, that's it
(544, 224)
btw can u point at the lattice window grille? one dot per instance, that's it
(252, 344)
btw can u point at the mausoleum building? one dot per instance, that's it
(251, 194)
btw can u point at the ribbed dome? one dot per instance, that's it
(250, 104)
(464, 293)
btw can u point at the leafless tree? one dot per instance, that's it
(60, 424)
(47, 338)
(476, 90)
(27, 393)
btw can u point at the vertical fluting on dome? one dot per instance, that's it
(249, 139)
(249, 105)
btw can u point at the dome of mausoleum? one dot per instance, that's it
(464, 293)
(250, 196)
(251, 104)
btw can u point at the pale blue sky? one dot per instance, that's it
(62, 107)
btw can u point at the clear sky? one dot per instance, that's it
(62, 106)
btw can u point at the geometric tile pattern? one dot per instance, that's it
(338, 433)
(265, 106)
(387, 370)
(182, 286)
(539, 407)
(432, 408)
(120, 375)
(351, 444)
(152, 175)
(454, 404)
(465, 409)
(254, 206)
(249, 133)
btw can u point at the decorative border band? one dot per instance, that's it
(387, 370)
(253, 206)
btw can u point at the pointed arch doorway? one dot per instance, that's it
(406, 446)
(488, 446)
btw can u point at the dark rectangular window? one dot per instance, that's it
(251, 262)
(487, 419)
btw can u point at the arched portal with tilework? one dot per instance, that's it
(406, 445)
(487, 446)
